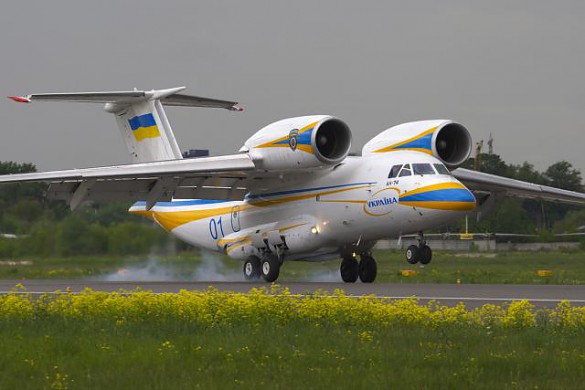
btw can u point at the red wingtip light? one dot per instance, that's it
(19, 99)
(237, 107)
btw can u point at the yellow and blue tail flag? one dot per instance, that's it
(144, 126)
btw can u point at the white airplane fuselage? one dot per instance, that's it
(320, 214)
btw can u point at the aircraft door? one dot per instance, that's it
(235, 218)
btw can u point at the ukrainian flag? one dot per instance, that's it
(144, 126)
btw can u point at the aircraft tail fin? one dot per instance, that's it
(140, 115)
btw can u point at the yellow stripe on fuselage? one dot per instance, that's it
(228, 250)
(173, 219)
(224, 241)
(451, 206)
(264, 203)
(291, 227)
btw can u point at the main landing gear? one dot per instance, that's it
(268, 267)
(366, 269)
(419, 253)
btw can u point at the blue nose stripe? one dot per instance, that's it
(446, 195)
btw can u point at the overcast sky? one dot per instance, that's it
(512, 68)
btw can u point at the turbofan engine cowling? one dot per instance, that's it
(302, 142)
(448, 141)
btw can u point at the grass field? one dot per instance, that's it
(214, 340)
(512, 267)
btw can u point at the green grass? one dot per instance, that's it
(512, 267)
(59, 354)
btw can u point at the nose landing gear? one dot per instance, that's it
(419, 253)
(366, 269)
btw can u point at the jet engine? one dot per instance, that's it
(448, 141)
(302, 142)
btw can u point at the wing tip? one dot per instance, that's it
(237, 107)
(19, 99)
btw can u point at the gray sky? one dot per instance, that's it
(512, 68)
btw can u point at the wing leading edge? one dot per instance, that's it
(485, 182)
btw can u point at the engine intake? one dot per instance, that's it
(452, 144)
(448, 141)
(332, 140)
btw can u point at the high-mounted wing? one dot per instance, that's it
(486, 183)
(203, 178)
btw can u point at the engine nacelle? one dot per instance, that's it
(303, 142)
(448, 141)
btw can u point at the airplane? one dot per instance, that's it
(293, 191)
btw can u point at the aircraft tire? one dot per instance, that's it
(252, 268)
(426, 254)
(270, 268)
(349, 270)
(368, 269)
(412, 254)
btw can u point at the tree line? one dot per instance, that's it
(49, 228)
(527, 216)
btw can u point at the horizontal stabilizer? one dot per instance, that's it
(168, 97)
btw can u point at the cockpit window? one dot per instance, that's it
(394, 171)
(405, 171)
(441, 169)
(423, 169)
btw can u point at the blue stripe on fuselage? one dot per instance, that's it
(447, 195)
(251, 197)
(180, 203)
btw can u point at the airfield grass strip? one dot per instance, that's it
(270, 338)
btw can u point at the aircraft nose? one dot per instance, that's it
(451, 195)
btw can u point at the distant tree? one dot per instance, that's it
(8, 167)
(526, 172)
(12, 193)
(563, 175)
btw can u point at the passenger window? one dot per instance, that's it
(441, 169)
(405, 171)
(423, 169)
(394, 171)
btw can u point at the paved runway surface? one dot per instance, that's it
(448, 294)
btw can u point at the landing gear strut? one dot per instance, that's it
(366, 269)
(421, 252)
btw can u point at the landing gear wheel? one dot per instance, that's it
(367, 269)
(270, 268)
(412, 254)
(426, 254)
(252, 268)
(349, 270)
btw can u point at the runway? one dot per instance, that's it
(472, 295)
